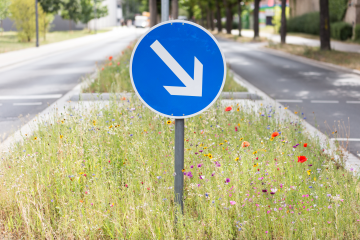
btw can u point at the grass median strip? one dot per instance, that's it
(344, 59)
(114, 76)
(106, 172)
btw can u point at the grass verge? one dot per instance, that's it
(239, 39)
(114, 76)
(344, 59)
(9, 40)
(107, 173)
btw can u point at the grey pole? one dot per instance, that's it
(37, 23)
(164, 10)
(95, 18)
(179, 162)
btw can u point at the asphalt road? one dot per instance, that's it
(49, 78)
(329, 100)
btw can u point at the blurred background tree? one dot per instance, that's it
(4, 12)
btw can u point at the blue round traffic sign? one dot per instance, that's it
(177, 69)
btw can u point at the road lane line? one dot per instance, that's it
(355, 102)
(27, 104)
(346, 139)
(288, 100)
(13, 97)
(323, 101)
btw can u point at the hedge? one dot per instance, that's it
(341, 31)
(357, 32)
(307, 23)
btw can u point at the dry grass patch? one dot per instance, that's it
(344, 59)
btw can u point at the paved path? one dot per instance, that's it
(327, 99)
(336, 45)
(28, 87)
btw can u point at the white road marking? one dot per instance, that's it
(323, 101)
(27, 104)
(356, 102)
(346, 139)
(288, 100)
(14, 97)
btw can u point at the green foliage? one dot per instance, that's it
(341, 31)
(4, 9)
(23, 14)
(87, 10)
(71, 9)
(51, 6)
(307, 23)
(357, 32)
(132, 7)
(337, 9)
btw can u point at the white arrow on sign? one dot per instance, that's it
(192, 87)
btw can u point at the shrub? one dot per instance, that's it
(357, 32)
(341, 30)
(307, 23)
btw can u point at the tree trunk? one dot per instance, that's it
(208, 18)
(218, 16)
(202, 21)
(175, 9)
(256, 19)
(239, 13)
(153, 12)
(283, 22)
(212, 27)
(324, 25)
(228, 16)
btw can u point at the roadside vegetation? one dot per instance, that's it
(344, 59)
(114, 77)
(107, 173)
(239, 39)
(9, 40)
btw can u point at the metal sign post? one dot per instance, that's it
(164, 10)
(37, 23)
(179, 163)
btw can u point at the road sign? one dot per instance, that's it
(177, 69)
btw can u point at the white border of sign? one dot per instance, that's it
(183, 22)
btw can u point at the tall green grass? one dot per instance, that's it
(107, 173)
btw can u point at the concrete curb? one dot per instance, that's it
(328, 66)
(31, 126)
(351, 160)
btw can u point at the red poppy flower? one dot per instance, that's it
(305, 144)
(274, 134)
(118, 63)
(245, 144)
(227, 109)
(302, 159)
(110, 58)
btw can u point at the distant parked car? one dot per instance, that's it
(182, 18)
(141, 21)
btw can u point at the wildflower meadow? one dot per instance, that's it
(107, 172)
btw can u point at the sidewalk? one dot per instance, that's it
(339, 46)
(9, 59)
